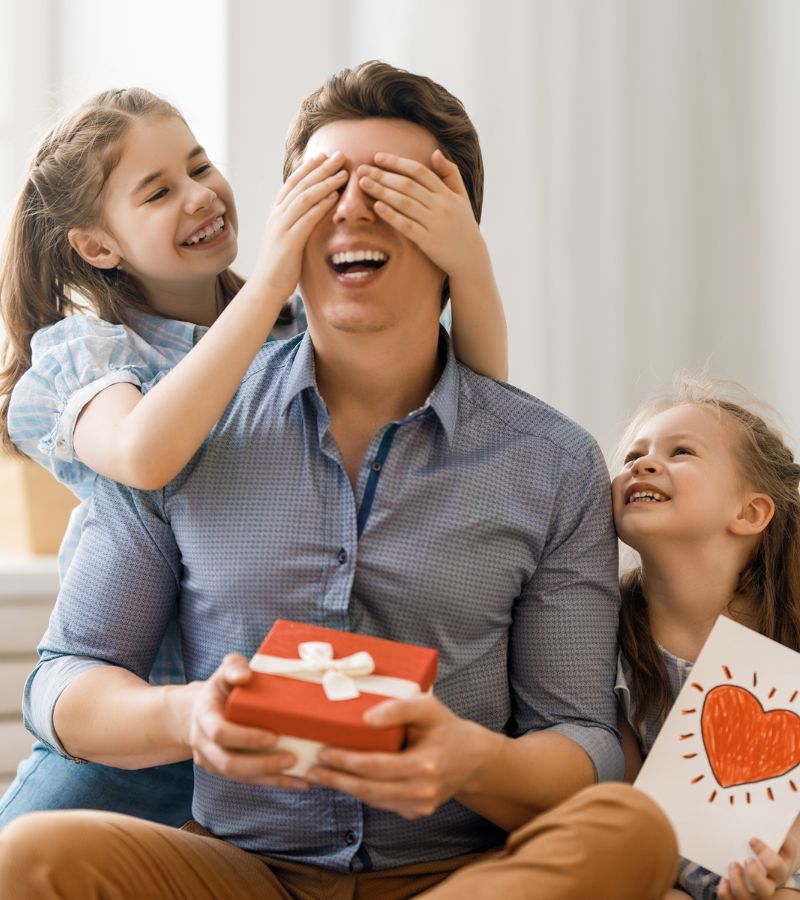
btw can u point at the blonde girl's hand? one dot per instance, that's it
(306, 196)
(429, 206)
(766, 879)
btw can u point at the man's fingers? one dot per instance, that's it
(421, 710)
(407, 798)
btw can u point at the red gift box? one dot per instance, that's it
(301, 709)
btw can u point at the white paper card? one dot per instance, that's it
(724, 766)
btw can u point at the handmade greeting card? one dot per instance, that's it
(725, 765)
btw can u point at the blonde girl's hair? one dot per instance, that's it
(42, 279)
(771, 578)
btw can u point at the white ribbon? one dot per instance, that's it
(341, 679)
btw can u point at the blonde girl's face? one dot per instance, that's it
(167, 211)
(680, 479)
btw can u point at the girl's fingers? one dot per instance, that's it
(306, 222)
(773, 862)
(402, 203)
(297, 206)
(407, 227)
(412, 169)
(311, 172)
(402, 184)
(736, 883)
(449, 173)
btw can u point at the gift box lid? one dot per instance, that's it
(301, 709)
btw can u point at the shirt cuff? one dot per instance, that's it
(58, 443)
(602, 746)
(44, 686)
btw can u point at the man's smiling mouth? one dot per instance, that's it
(355, 265)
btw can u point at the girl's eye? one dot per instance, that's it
(200, 170)
(682, 451)
(631, 456)
(157, 196)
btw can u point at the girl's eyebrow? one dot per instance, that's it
(197, 150)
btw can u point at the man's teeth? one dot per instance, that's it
(209, 231)
(646, 497)
(354, 256)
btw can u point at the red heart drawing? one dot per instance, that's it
(744, 743)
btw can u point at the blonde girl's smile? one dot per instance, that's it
(168, 217)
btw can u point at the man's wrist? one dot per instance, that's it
(179, 701)
(485, 749)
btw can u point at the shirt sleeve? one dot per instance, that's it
(563, 644)
(72, 361)
(115, 604)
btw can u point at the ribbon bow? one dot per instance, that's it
(340, 678)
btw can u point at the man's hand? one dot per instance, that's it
(767, 878)
(235, 751)
(442, 754)
(428, 206)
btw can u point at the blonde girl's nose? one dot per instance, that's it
(646, 463)
(199, 197)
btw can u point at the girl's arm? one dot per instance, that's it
(144, 441)
(432, 208)
(630, 748)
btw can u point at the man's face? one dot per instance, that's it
(396, 282)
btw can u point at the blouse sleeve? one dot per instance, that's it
(72, 361)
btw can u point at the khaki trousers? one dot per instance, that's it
(609, 842)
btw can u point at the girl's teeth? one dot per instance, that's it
(210, 230)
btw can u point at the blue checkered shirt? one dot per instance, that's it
(72, 361)
(480, 524)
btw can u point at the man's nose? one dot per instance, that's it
(354, 205)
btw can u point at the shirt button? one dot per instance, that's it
(350, 837)
(342, 556)
(376, 466)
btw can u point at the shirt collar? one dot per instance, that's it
(153, 328)
(443, 399)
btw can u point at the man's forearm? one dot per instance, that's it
(521, 777)
(109, 715)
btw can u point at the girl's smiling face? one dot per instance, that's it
(681, 478)
(168, 214)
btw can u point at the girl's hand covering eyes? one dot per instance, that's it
(308, 193)
(428, 206)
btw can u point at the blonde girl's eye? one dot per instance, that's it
(201, 169)
(683, 451)
(162, 192)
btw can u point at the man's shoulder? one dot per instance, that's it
(513, 410)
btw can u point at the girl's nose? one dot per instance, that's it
(199, 197)
(647, 464)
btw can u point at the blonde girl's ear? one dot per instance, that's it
(94, 248)
(754, 516)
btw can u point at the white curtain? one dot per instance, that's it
(642, 187)
(642, 174)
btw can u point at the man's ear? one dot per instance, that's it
(94, 247)
(754, 516)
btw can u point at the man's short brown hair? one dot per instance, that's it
(377, 90)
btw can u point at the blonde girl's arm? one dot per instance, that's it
(145, 440)
(430, 206)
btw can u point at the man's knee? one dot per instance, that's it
(34, 848)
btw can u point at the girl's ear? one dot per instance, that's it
(92, 247)
(754, 516)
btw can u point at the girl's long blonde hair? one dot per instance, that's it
(771, 578)
(42, 279)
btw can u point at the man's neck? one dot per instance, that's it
(367, 380)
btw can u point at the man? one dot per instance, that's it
(360, 479)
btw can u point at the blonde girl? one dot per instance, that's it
(708, 496)
(116, 264)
